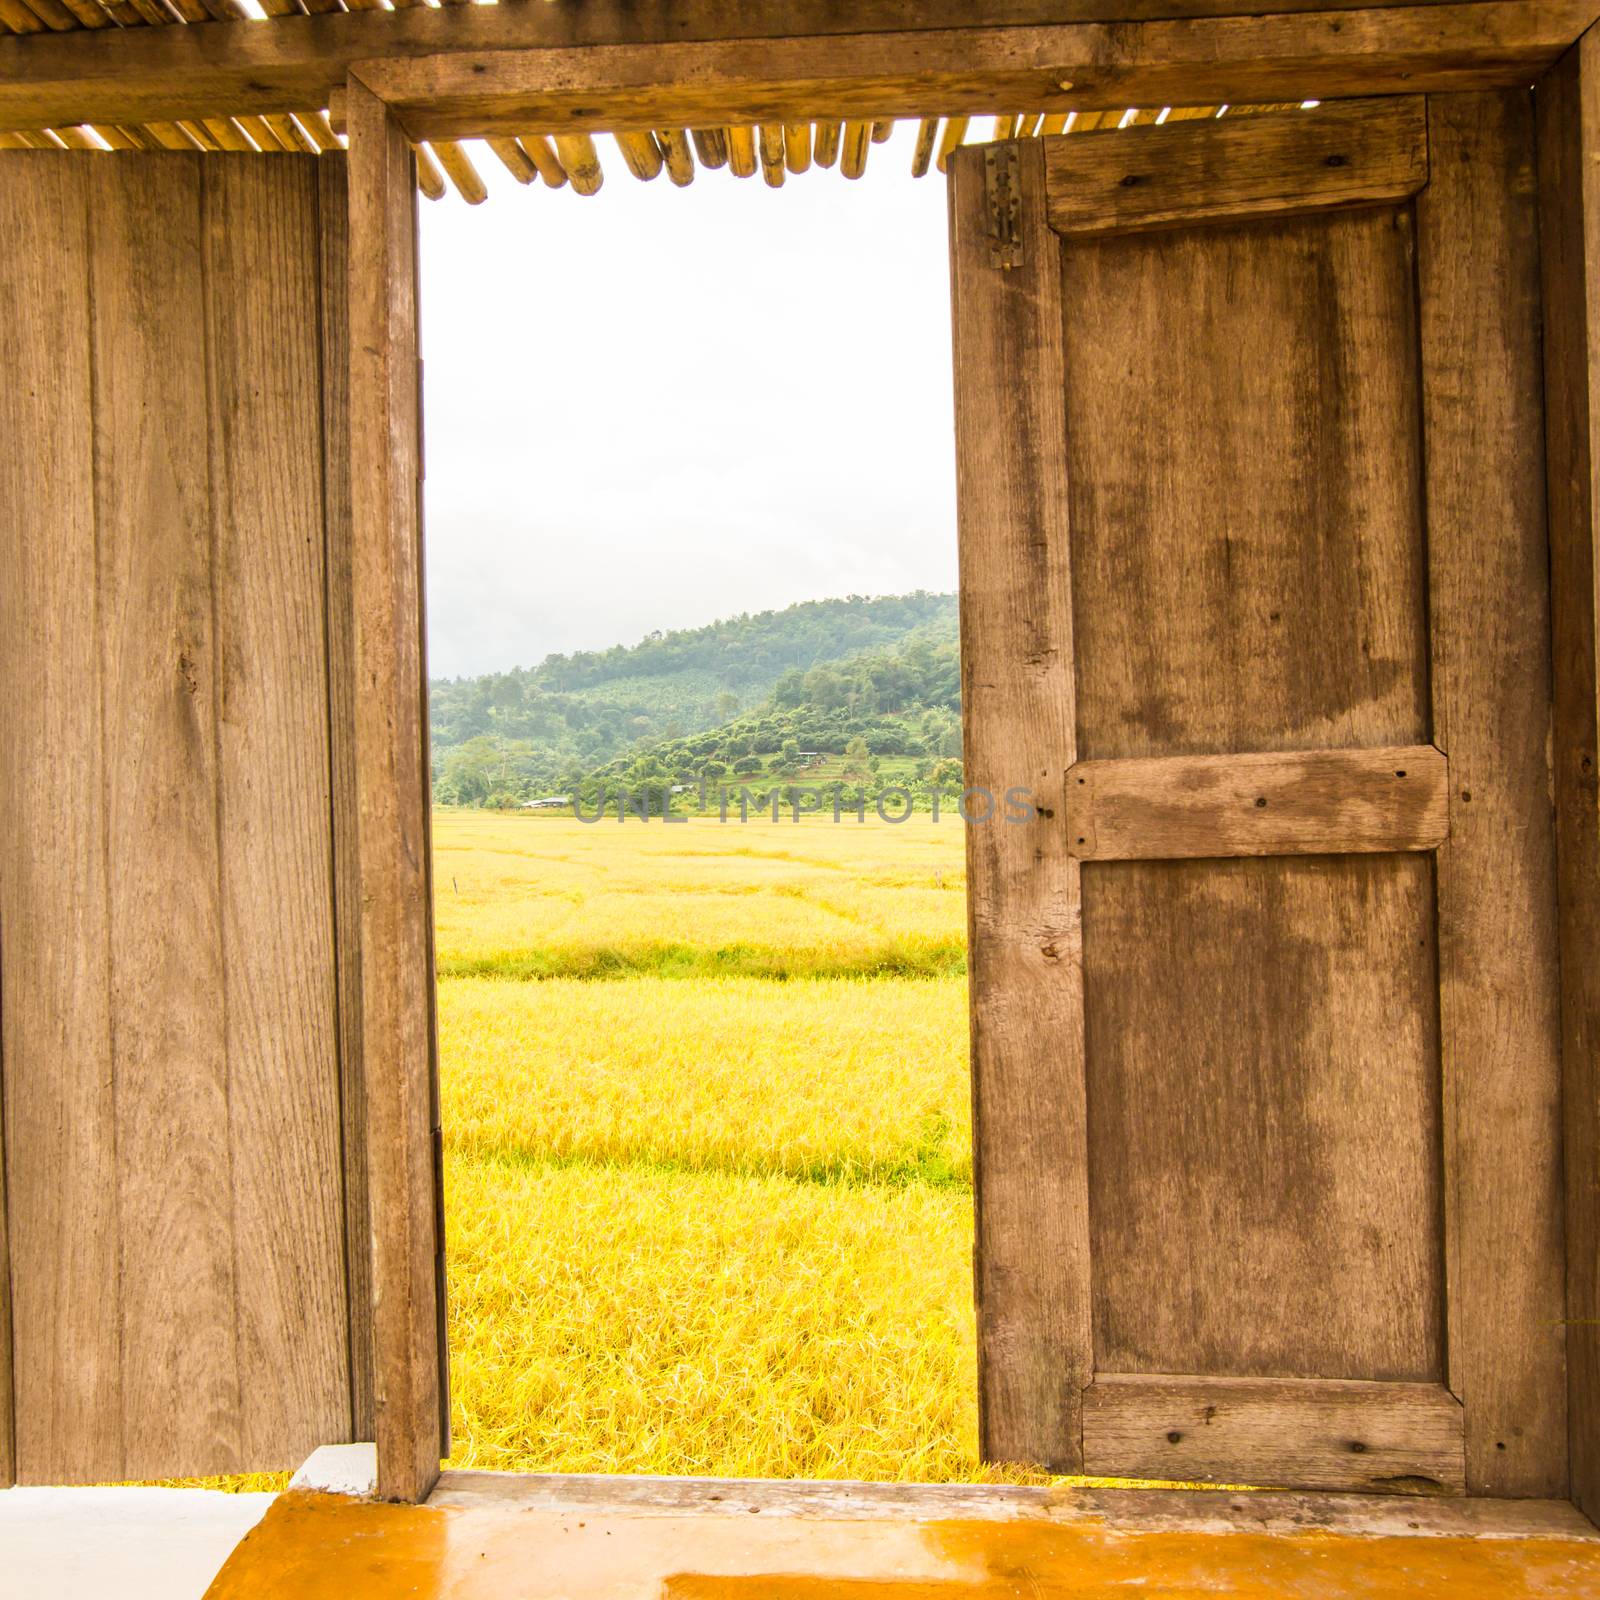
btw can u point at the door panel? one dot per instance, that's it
(1234, 1055)
(1246, 494)
(175, 1209)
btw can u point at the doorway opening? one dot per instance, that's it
(698, 858)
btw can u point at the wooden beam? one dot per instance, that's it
(391, 771)
(1568, 102)
(1499, 993)
(1347, 153)
(1024, 896)
(466, 70)
(1212, 60)
(1385, 1438)
(1312, 802)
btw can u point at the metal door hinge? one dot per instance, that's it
(1002, 192)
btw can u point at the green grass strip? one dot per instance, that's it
(929, 1165)
(944, 959)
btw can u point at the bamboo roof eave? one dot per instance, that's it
(774, 150)
(475, 70)
(837, 137)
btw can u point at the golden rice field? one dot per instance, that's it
(708, 1179)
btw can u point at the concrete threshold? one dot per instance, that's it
(494, 1536)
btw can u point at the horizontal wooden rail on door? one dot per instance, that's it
(1311, 802)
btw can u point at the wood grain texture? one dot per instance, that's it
(1348, 153)
(182, 1399)
(262, 270)
(1385, 1438)
(1274, 59)
(1264, 1117)
(608, 65)
(1206, 1511)
(1310, 802)
(170, 1065)
(392, 799)
(1568, 105)
(333, 179)
(54, 937)
(1245, 480)
(1032, 1261)
(1488, 585)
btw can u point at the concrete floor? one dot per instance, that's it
(133, 1544)
(497, 1537)
(492, 1536)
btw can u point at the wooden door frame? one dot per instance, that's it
(1301, 53)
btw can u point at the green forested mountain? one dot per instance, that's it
(750, 692)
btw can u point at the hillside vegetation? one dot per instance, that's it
(859, 691)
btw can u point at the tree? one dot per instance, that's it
(858, 762)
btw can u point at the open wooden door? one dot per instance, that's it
(1255, 605)
(184, 1211)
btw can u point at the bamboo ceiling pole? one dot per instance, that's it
(430, 180)
(742, 152)
(53, 15)
(639, 154)
(201, 135)
(258, 130)
(922, 156)
(770, 142)
(1005, 127)
(514, 159)
(290, 134)
(77, 138)
(1052, 126)
(825, 150)
(1028, 126)
(18, 18)
(797, 146)
(677, 154)
(89, 14)
(458, 168)
(170, 136)
(853, 148)
(119, 138)
(582, 161)
(711, 145)
(319, 128)
(543, 155)
(955, 133)
(227, 133)
(881, 130)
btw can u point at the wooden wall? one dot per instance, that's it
(172, 919)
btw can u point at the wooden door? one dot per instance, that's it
(184, 1203)
(1255, 606)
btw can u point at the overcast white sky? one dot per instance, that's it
(656, 406)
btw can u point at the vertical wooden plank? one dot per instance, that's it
(262, 268)
(54, 941)
(1568, 104)
(1026, 951)
(334, 199)
(169, 999)
(8, 1432)
(1483, 439)
(392, 799)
